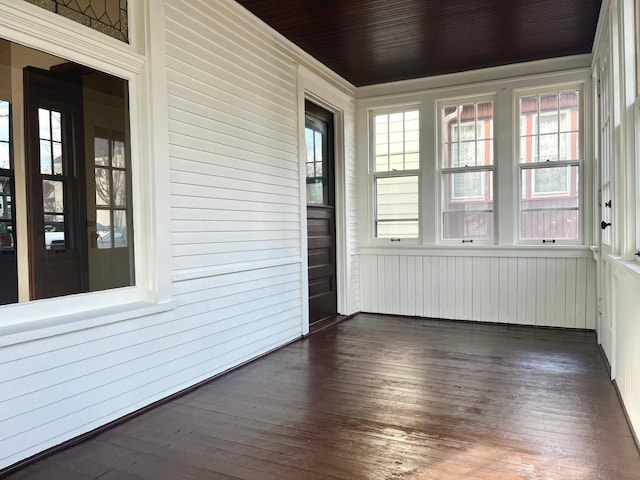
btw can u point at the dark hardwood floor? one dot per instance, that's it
(382, 398)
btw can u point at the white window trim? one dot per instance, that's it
(373, 175)
(144, 69)
(580, 163)
(441, 171)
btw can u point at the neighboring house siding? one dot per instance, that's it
(235, 235)
(542, 291)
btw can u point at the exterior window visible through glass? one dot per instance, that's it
(549, 161)
(5, 163)
(316, 176)
(396, 162)
(6, 218)
(53, 186)
(111, 189)
(467, 165)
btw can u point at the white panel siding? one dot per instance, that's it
(626, 363)
(556, 292)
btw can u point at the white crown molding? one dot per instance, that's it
(477, 77)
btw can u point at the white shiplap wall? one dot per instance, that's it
(556, 292)
(235, 233)
(626, 354)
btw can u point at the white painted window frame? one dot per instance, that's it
(580, 163)
(374, 176)
(441, 171)
(145, 70)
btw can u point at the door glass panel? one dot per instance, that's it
(57, 158)
(6, 221)
(44, 123)
(45, 157)
(119, 188)
(4, 135)
(103, 228)
(315, 166)
(119, 154)
(54, 232)
(103, 188)
(101, 151)
(53, 195)
(120, 237)
(56, 127)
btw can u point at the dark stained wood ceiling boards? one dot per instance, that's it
(376, 41)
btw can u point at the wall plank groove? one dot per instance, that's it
(555, 292)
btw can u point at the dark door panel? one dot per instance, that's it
(58, 260)
(320, 213)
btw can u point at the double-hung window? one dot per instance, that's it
(467, 168)
(395, 170)
(549, 165)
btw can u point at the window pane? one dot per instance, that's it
(119, 154)
(569, 118)
(4, 121)
(5, 198)
(467, 135)
(485, 120)
(101, 151)
(56, 127)
(120, 229)
(548, 148)
(396, 137)
(54, 232)
(467, 205)
(4, 155)
(45, 157)
(548, 122)
(120, 188)
(103, 228)
(6, 224)
(397, 206)
(103, 187)
(53, 196)
(57, 158)
(549, 203)
(391, 229)
(44, 124)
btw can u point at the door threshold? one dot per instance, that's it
(326, 323)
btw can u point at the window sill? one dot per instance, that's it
(629, 267)
(479, 250)
(26, 331)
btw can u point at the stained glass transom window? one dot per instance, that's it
(106, 16)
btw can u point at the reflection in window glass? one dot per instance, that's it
(467, 196)
(111, 190)
(550, 203)
(5, 162)
(51, 160)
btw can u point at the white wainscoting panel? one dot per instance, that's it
(626, 363)
(555, 292)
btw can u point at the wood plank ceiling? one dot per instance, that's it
(377, 41)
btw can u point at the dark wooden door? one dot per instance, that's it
(55, 163)
(321, 229)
